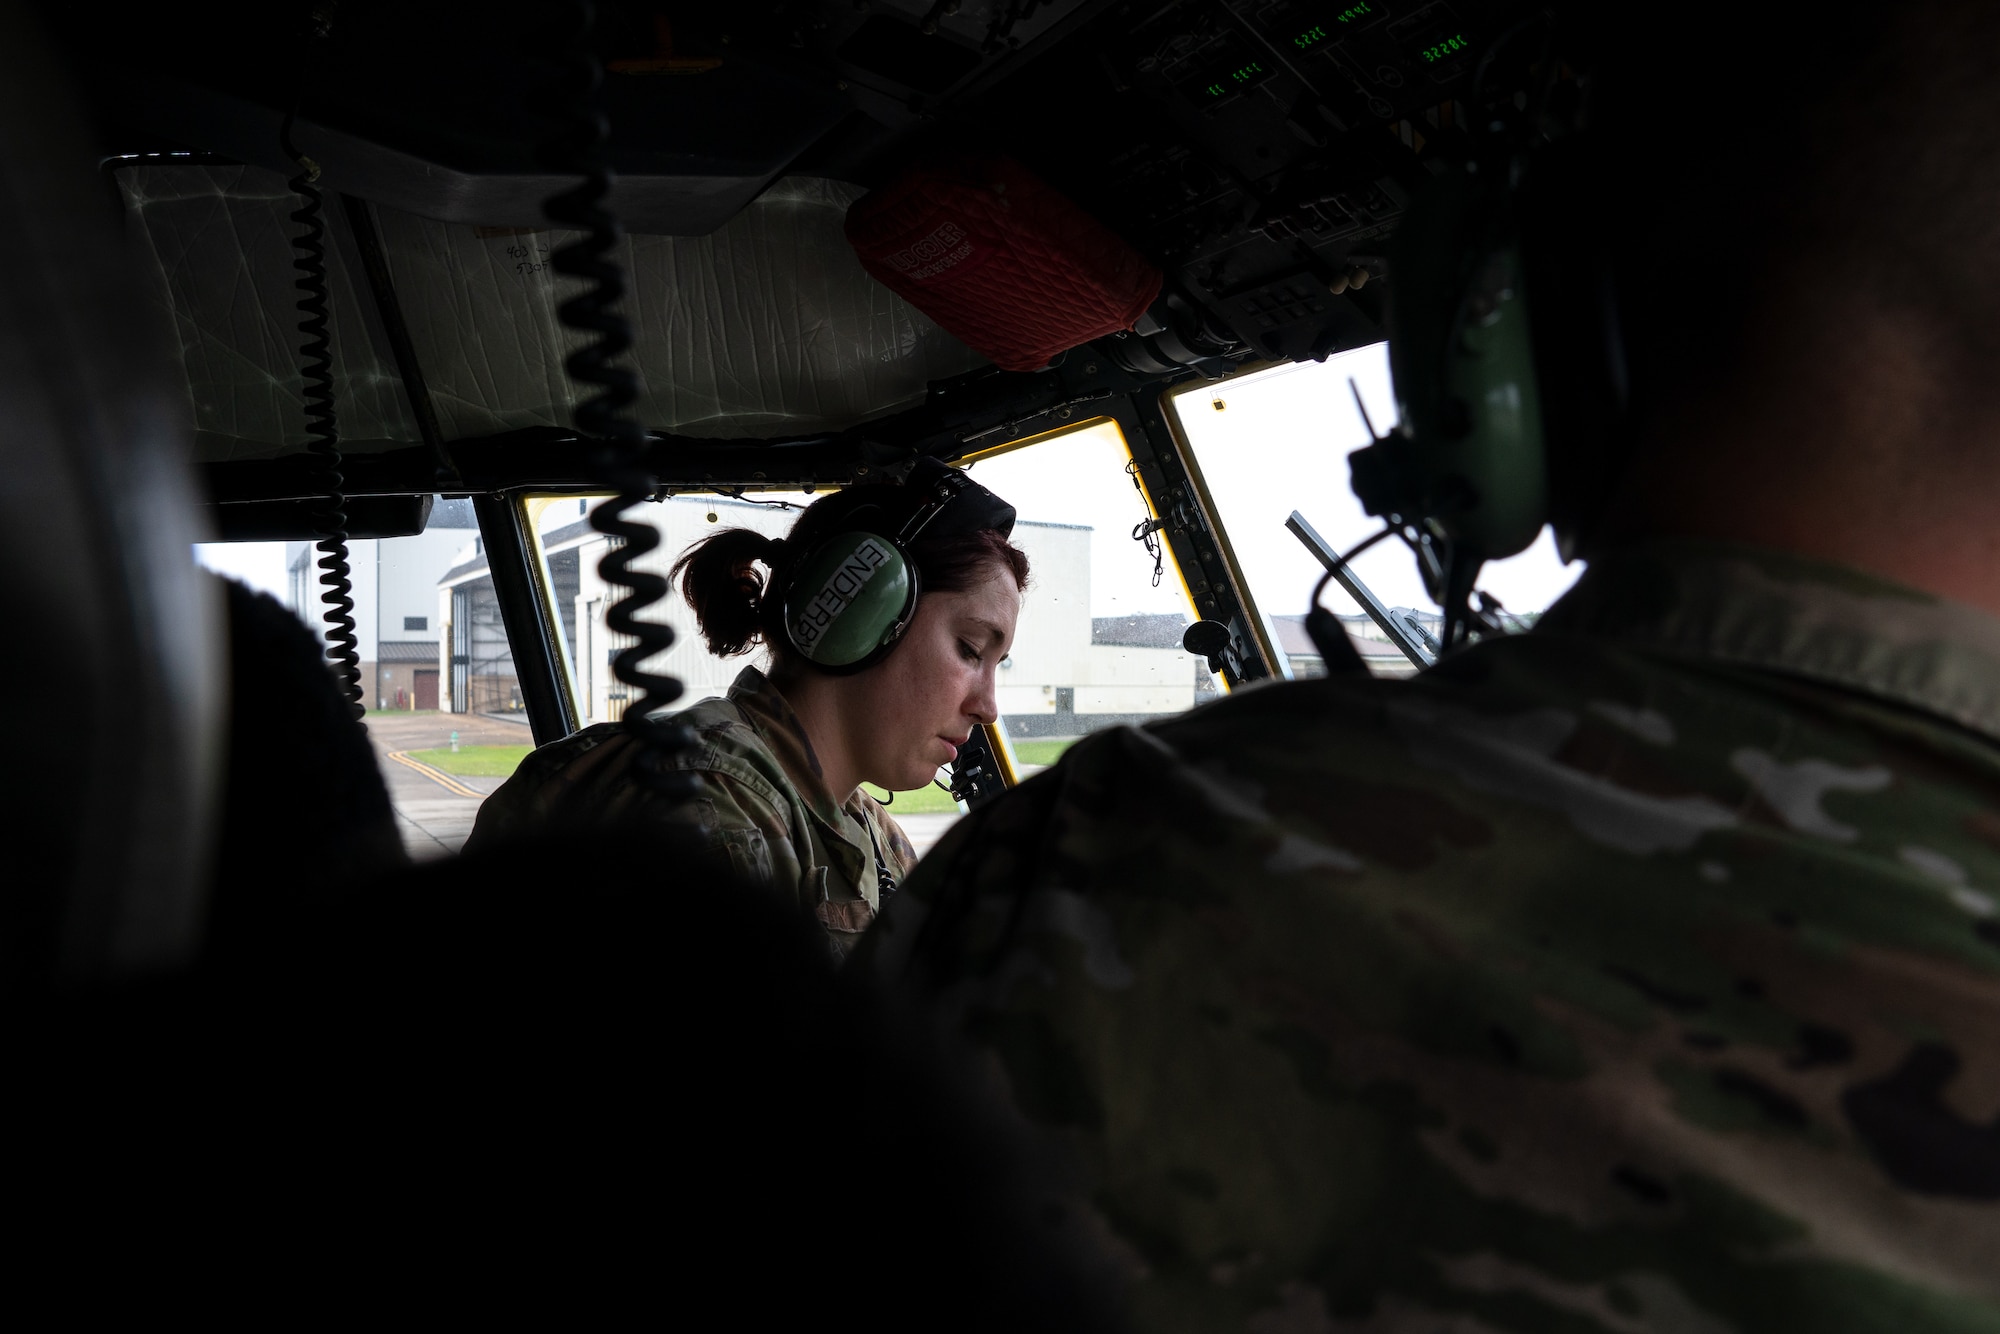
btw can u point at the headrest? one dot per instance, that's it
(110, 670)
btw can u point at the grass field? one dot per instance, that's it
(1041, 752)
(474, 761)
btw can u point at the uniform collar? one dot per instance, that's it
(1746, 607)
(767, 710)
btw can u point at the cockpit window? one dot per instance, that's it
(1099, 642)
(570, 552)
(1275, 441)
(442, 697)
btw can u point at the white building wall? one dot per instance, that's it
(1025, 697)
(1120, 679)
(1053, 651)
(443, 624)
(407, 570)
(302, 563)
(393, 578)
(1052, 643)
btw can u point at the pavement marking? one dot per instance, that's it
(438, 776)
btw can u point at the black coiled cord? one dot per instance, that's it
(329, 507)
(618, 458)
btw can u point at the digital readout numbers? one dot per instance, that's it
(1316, 34)
(1248, 72)
(1445, 49)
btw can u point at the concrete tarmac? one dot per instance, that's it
(924, 831)
(434, 814)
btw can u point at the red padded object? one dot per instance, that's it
(1001, 261)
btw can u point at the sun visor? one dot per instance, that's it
(768, 326)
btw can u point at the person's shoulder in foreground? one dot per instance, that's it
(1641, 972)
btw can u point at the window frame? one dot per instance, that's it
(1247, 622)
(522, 587)
(1154, 474)
(1194, 530)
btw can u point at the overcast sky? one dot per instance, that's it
(258, 564)
(1081, 479)
(1279, 442)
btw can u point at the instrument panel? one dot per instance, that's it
(1262, 151)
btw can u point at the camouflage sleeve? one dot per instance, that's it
(586, 782)
(1320, 1043)
(528, 803)
(731, 818)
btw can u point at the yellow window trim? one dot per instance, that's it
(1003, 753)
(1145, 495)
(1170, 412)
(532, 509)
(996, 735)
(994, 451)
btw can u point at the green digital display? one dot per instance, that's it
(1446, 49)
(1323, 31)
(1223, 71)
(1238, 77)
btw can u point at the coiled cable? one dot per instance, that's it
(329, 506)
(618, 457)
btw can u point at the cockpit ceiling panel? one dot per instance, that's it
(767, 326)
(216, 243)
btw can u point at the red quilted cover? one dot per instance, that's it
(1000, 260)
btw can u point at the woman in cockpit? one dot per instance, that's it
(884, 612)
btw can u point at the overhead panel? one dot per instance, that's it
(767, 326)
(1263, 151)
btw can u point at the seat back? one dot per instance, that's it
(109, 675)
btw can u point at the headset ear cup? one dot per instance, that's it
(894, 635)
(1580, 351)
(1469, 456)
(1428, 267)
(850, 600)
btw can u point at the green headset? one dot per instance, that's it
(1509, 364)
(848, 598)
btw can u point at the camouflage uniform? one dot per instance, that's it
(763, 803)
(1638, 973)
